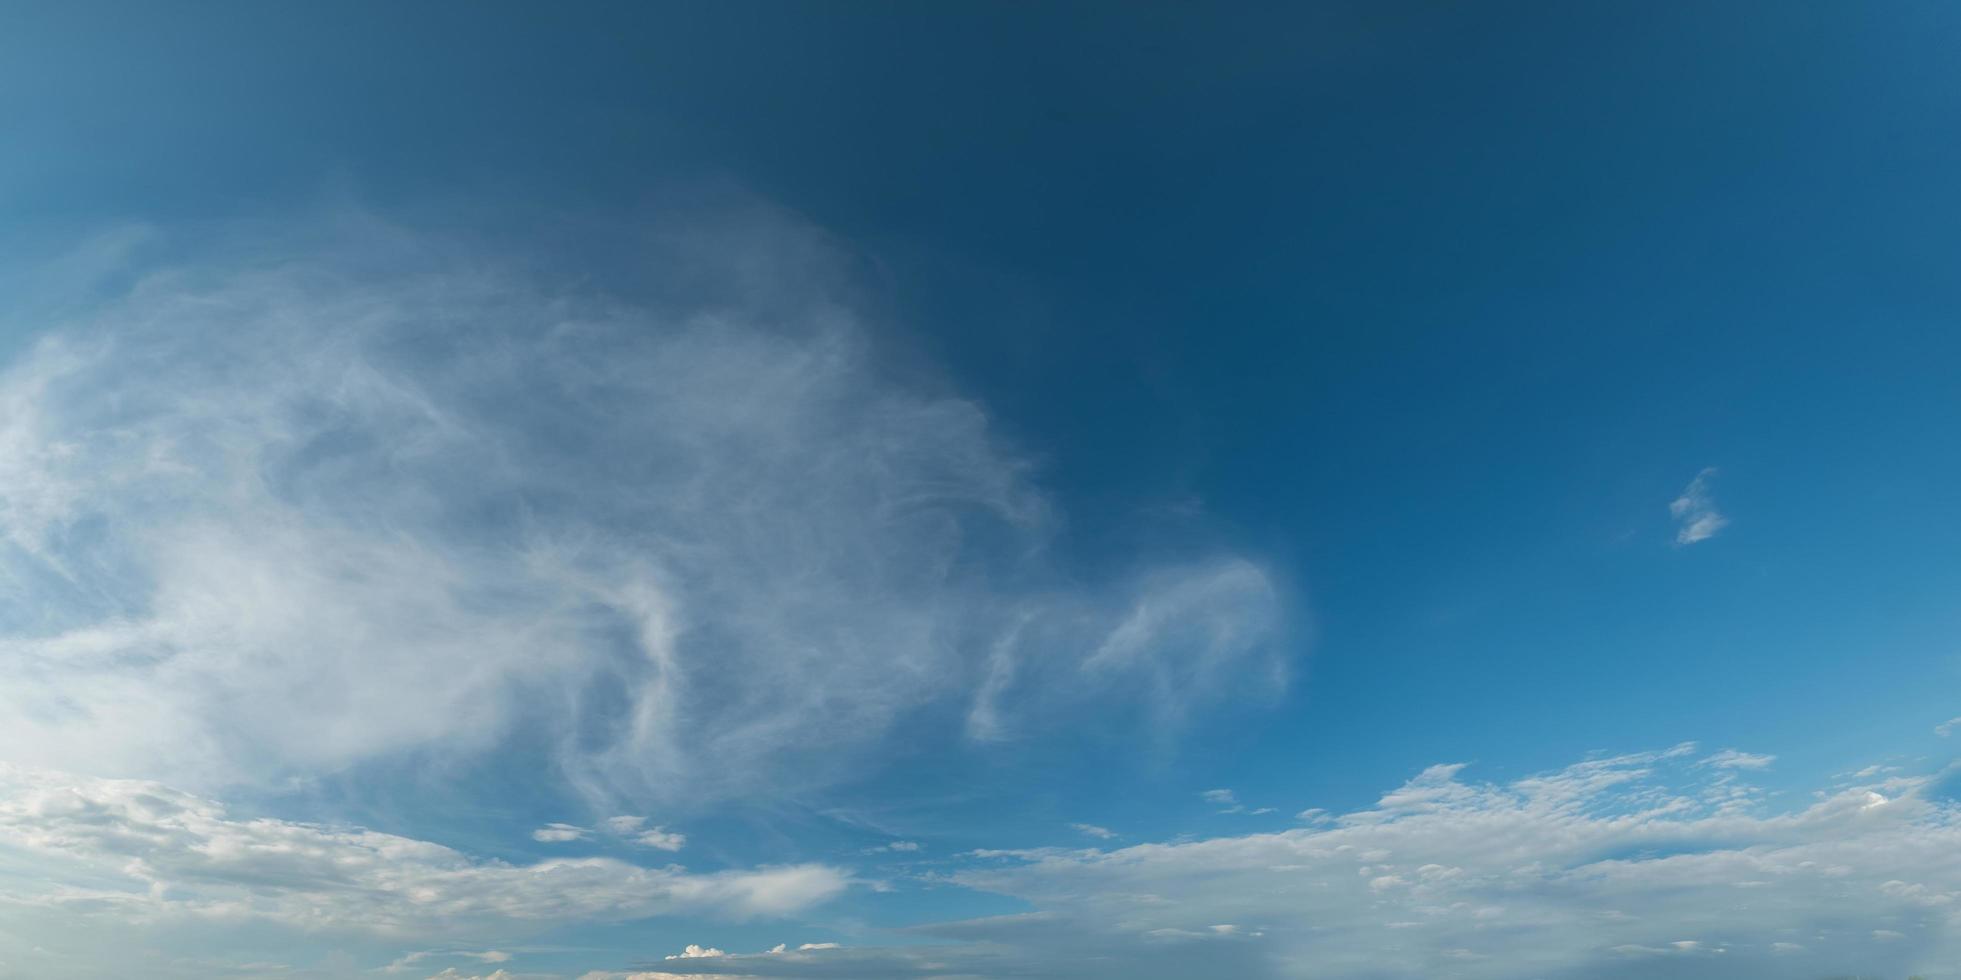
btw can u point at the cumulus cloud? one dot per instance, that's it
(557, 833)
(1695, 511)
(661, 840)
(1092, 830)
(143, 852)
(1618, 867)
(307, 504)
(1948, 727)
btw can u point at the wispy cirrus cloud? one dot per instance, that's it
(1695, 511)
(410, 961)
(1228, 802)
(631, 829)
(373, 493)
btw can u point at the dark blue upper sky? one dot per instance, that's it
(1434, 308)
(1437, 305)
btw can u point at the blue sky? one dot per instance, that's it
(987, 491)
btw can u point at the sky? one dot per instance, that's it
(659, 491)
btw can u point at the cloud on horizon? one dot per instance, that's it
(141, 853)
(1647, 865)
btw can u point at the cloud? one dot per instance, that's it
(143, 852)
(408, 960)
(660, 840)
(1228, 802)
(1732, 759)
(634, 829)
(1092, 830)
(1617, 867)
(1948, 727)
(1695, 510)
(362, 492)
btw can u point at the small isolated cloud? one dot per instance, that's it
(409, 960)
(661, 840)
(1092, 830)
(1732, 759)
(897, 846)
(1948, 727)
(1695, 511)
(694, 952)
(629, 827)
(1228, 802)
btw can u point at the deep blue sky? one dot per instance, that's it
(1438, 307)
(1431, 309)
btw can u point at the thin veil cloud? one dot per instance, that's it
(373, 492)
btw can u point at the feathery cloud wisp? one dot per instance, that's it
(1695, 511)
(387, 495)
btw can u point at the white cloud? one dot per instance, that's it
(383, 495)
(696, 952)
(1229, 802)
(408, 960)
(1732, 759)
(1589, 871)
(634, 829)
(1695, 511)
(661, 840)
(1092, 830)
(143, 852)
(1948, 727)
